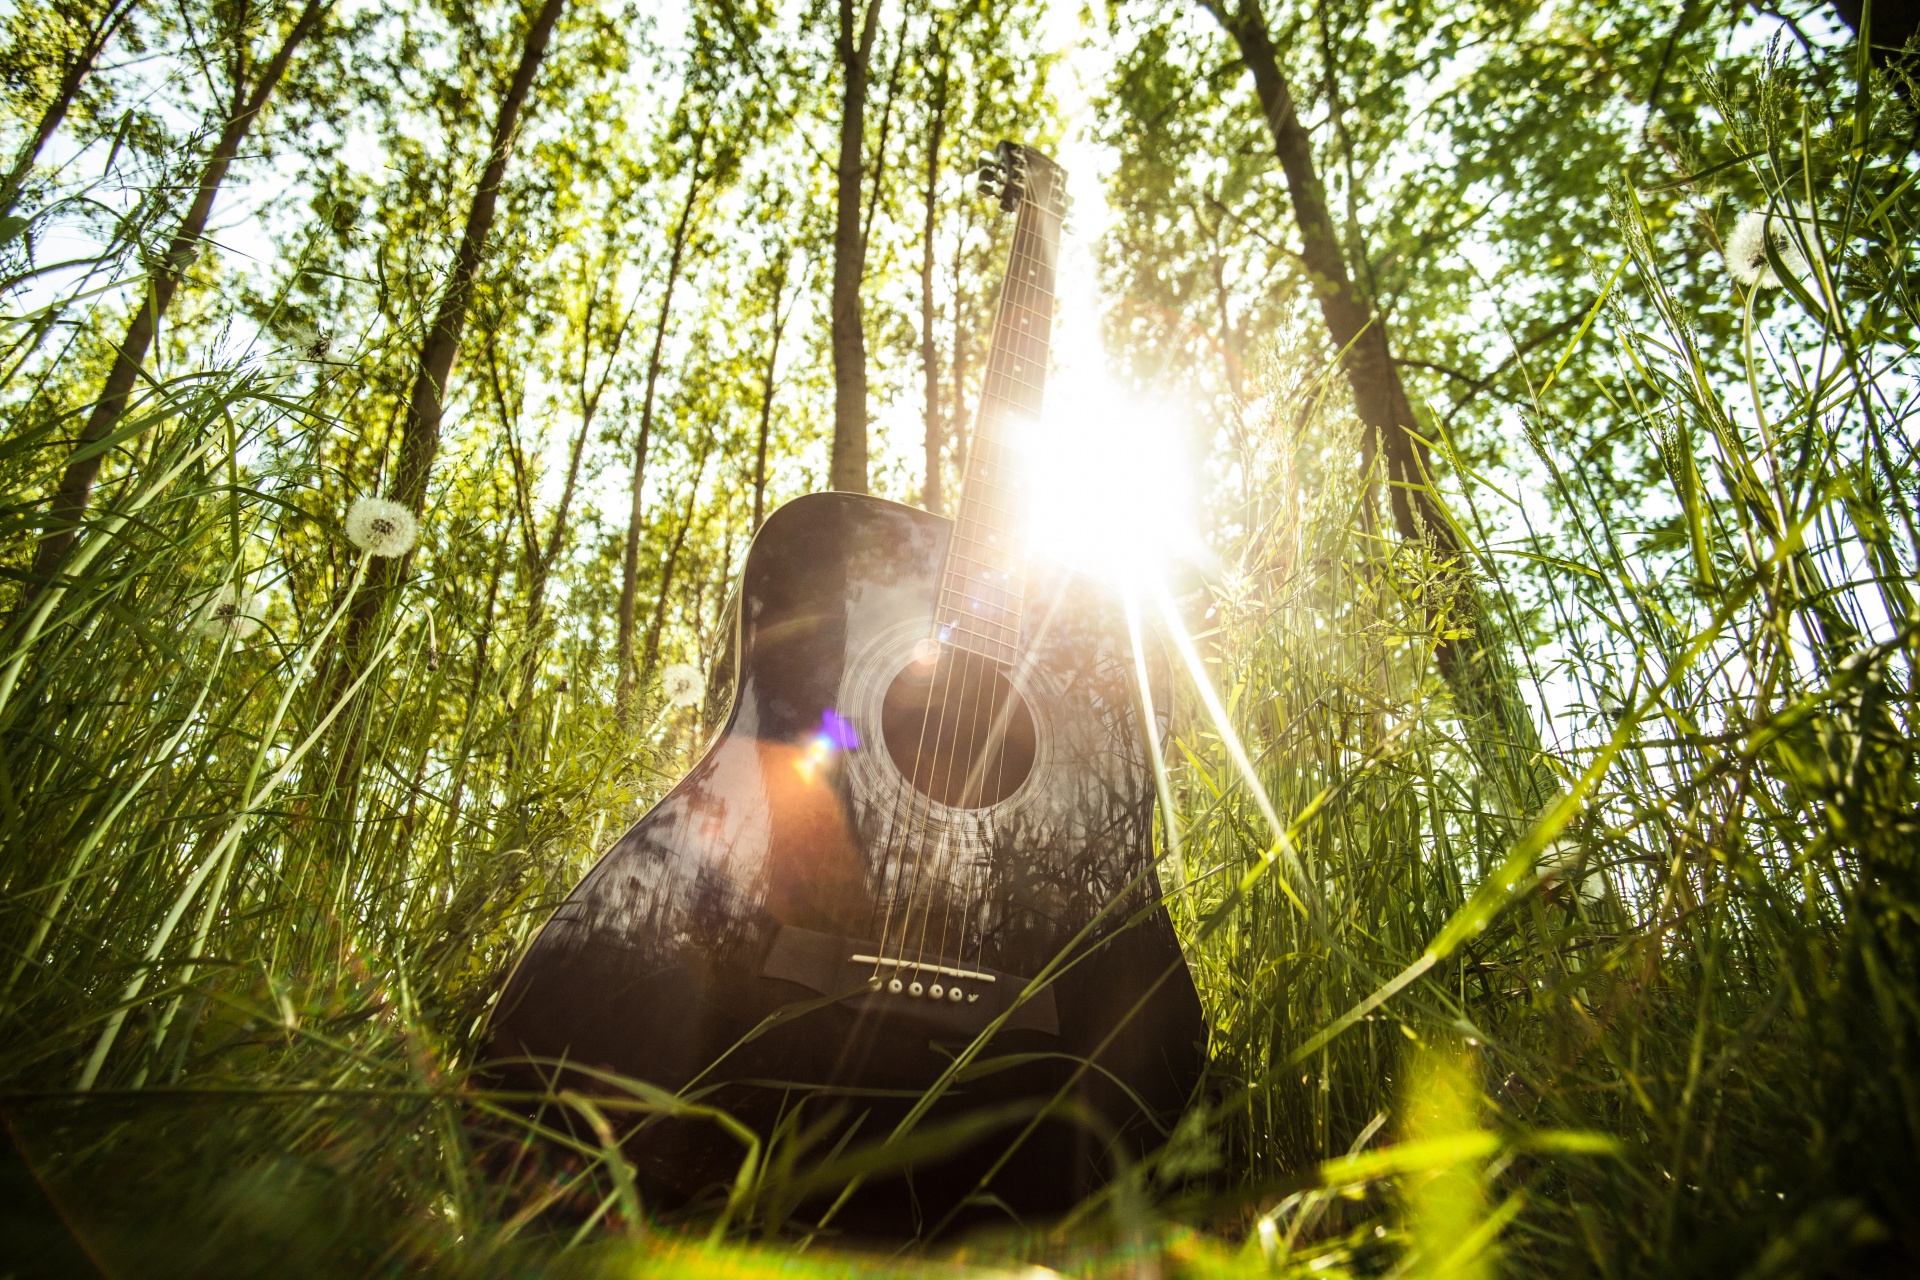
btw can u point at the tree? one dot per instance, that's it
(854, 49)
(420, 435)
(71, 497)
(780, 310)
(77, 63)
(1354, 329)
(938, 64)
(697, 178)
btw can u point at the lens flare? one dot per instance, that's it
(1109, 469)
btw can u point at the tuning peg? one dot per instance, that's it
(989, 179)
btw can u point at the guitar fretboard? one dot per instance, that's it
(983, 587)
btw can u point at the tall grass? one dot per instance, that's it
(1706, 950)
(1665, 1020)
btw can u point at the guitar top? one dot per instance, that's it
(927, 816)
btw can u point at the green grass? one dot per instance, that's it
(1666, 1021)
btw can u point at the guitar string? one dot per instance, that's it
(941, 767)
(976, 678)
(919, 817)
(987, 723)
(899, 830)
(1022, 253)
(992, 719)
(996, 719)
(892, 854)
(938, 772)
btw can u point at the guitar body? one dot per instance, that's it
(887, 843)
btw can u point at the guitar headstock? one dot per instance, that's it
(1014, 174)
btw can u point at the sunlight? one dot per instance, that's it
(1110, 476)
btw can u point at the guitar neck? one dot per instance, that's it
(982, 589)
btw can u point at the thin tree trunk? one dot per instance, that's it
(766, 399)
(420, 436)
(420, 427)
(546, 553)
(542, 569)
(630, 561)
(1476, 667)
(74, 494)
(79, 67)
(666, 570)
(849, 466)
(1379, 399)
(880, 147)
(935, 436)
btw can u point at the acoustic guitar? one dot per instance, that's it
(926, 818)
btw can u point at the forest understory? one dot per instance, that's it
(1501, 414)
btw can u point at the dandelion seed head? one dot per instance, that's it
(1747, 246)
(682, 685)
(230, 612)
(309, 342)
(381, 527)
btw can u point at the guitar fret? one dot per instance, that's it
(970, 570)
(989, 546)
(978, 590)
(962, 627)
(995, 589)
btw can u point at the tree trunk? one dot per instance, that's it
(880, 148)
(420, 428)
(849, 467)
(630, 562)
(74, 494)
(1355, 331)
(542, 569)
(420, 436)
(930, 495)
(1476, 667)
(666, 570)
(79, 67)
(766, 400)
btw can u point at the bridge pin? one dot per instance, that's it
(936, 991)
(914, 989)
(953, 993)
(896, 986)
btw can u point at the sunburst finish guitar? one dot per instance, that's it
(926, 818)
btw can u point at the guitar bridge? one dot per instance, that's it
(953, 997)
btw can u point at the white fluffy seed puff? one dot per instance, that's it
(381, 527)
(1747, 246)
(230, 612)
(682, 685)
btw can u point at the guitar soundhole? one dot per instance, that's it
(958, 731)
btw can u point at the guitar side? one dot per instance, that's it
(797, 845)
